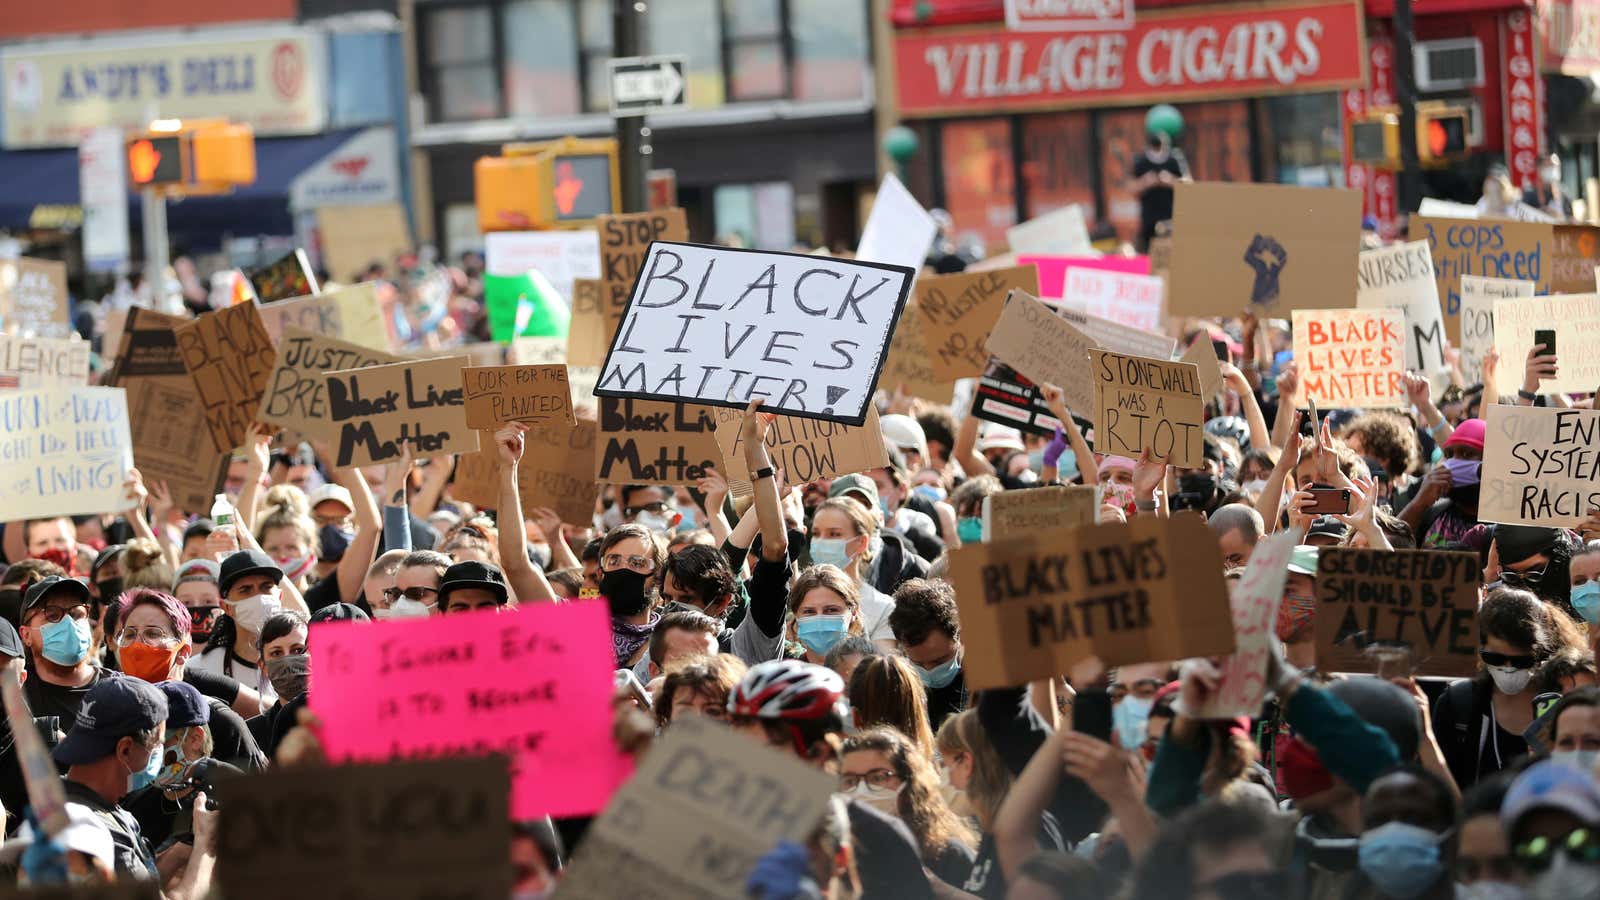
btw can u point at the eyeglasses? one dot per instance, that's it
(1528, 579)
(614, 561)
(1491, 658)
(1580, 846)
(657, 507)
(152, 635)
(878, 778)
(54, 614)
(411, 593)
(335, 521)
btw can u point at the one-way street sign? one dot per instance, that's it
(641, 84)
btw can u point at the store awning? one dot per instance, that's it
(31, 178)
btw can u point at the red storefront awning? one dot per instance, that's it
(1384, 9)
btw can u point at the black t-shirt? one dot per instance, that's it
(986, 880)
(13, 787)
(212, 685)
(128, 846)
(323, 593)
(232, 741)
(1155, 204)
(46, 699)
(947, 701)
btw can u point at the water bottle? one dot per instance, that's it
(222, 511)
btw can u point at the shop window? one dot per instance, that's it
(755, 215)
(979, 179)
(460, 71)
(692, 28)
(594, 36)
(830, 49)
(1121, 142)
(753, 37)
(1054, 148)
(1216, 140)
(1301, 140)
(541, 57)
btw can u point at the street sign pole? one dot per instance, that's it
(633, 136)
(156, 247)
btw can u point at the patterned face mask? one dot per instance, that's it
(1295, 619)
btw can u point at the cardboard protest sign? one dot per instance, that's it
(1539, 466)
(538, 351)
(1254, 600)
(1204, 357)
(1033, 606)
(557, 472)
(496, 395)
(43, 362)
(374, 412)
(1370, 602)
(1352, 358)
(352, 237)
(1577, 250)
(804, 449)
(478, 353)
(1576, 321)
(648, 442)
(1265, 247)
(311, 826)
(593, 323)
(532, 683)
(1053, 269)
(1006, 397)
(704, 807)
(352, 314)
(1019, 513)
(42, 781)
(1118, 338)
(1030, 338)
(164, 409)
(1058, 233)
(582, 380)
(910, 362)
(1152, 403)
(66, 452)
(1132, 300)
(1401, 277)
(1523, 251)
(229, 357)
(1478, 295)
(625, 240)
(33, 297)
(284, 279)
(959, 310)
(899, 232)
(296, 396)
(723, 326)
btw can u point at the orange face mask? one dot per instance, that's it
(152, 664)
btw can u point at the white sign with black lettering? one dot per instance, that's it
(723, 326)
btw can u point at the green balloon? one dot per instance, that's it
(900, 143)
(1164, 118)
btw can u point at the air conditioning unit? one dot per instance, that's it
(1449, 65)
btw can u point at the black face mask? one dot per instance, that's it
(626, 591)
(1465, 494)
(110, 589)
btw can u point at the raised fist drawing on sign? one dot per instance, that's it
(1267, 257)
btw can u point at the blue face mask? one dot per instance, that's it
(821, 633)
(1131, 720)
(970, 530)
(1401, 860)
(830, 552)
(1582, 760)
(66, 643)
(1586, 600)
(941, 675)
(929, 492)
(137, 780)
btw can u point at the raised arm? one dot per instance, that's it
(1259, 437)
(714, 488)
(1287, 419)
(1272, 495)
(549, 523)
(434, 476)
(1088, 469)
(525, 579)
(363, 547)
(258, 454)
(753, 431)
(965, 452)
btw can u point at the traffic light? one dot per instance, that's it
(550, 184)
(1375, 141)
(196, 157)
(1441, 134)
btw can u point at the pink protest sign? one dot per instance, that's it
(1254, 600)
(533, 684)
(1053, 269)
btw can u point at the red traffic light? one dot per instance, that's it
(155, 161)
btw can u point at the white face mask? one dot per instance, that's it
(407, 608)
(252, 612)
(1510, 681)
(884, 800)
(653, 521)
(1256, 486)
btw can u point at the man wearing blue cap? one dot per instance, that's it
(114, 748)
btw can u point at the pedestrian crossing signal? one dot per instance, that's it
(549, 184)
(1443, 134)
(156, 161)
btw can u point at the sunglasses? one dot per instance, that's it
(657, 507)
(1491, 658)
(412, 593)
(1536, 855)
(1529, 579)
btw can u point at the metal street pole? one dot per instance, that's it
(156, 248)
(1405, 84)
(633, 135)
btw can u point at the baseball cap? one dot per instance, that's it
(85, 833)
(53, 583)
(338, 493)
(340, 612)
(855, 483)
(10, 641)
(1001, 437)
(110, 553)
(905, 433)
(1304, 559)
(242, 563)
(1468, 434)
(115, 708)
(1551, 785)
(186, 706)
(1325, 526)
(472, 574)
(197, 570)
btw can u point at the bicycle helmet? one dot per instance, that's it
(809, 699)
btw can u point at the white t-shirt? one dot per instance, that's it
(215, 659)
